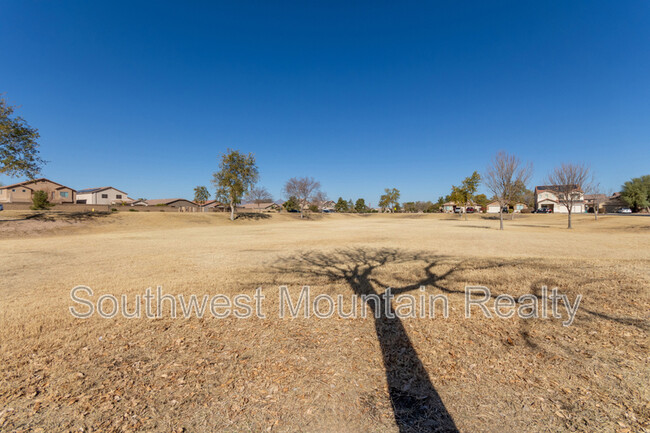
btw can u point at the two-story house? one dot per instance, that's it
(547, 197)
(22, 192)
(103, 195)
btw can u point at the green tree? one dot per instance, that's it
(237, 174)
(292, 204)
(18, 144)
(40, 201)
(341, 205)
(409, 206)
(360, 206)
(390, 200)
(481, 200)
(463, 195)
(636, 192)
(201, 195)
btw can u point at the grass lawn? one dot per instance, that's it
(61, 373)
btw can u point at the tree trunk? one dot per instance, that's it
(501, 219)
(596, 213)
(302, 208)
(232, 211)
(512, 217)
(569, 218)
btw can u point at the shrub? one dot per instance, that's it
(527, 210)
(40, 201)
(114, 210)
(133, 210)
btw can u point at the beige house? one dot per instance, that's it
(546, 197)
(213, 206)
(22, 192)
(493, 207)
(591, 200)
(613, 203)
(103, 195)
(263, 207)
(170, 202)
(449, 207)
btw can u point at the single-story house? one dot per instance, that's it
(328, 205)
(211, 204)
(449, 207)
(546, 197)
(518, 207)
(22, 192)
(493, 207)
(102, 195)
(169, 202)
(264, 207)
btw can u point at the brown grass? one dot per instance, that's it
(58, 373)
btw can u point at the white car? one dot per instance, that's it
(624, 210)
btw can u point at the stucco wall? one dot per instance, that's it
(23, 194)
(96, 197)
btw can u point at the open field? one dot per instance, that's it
(60, 373)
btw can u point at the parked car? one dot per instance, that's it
(624, 210)
(458, 210)
(470, 210)
(544, 210)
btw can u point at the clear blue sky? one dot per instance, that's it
(144, 96)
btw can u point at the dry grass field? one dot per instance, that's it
(60, 373)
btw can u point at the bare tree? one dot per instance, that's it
(319, 199)
(259, 195)
(569, 182)
(506, 178)
(598, 196)
(304, 189)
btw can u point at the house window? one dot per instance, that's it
(64, 194)
(23, 190)
(118, 196)
(104, 195)
(13, 190)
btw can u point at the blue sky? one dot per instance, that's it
(362, 96)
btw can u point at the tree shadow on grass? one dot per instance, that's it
(417, 406)
(71, 217)
(255, 216)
